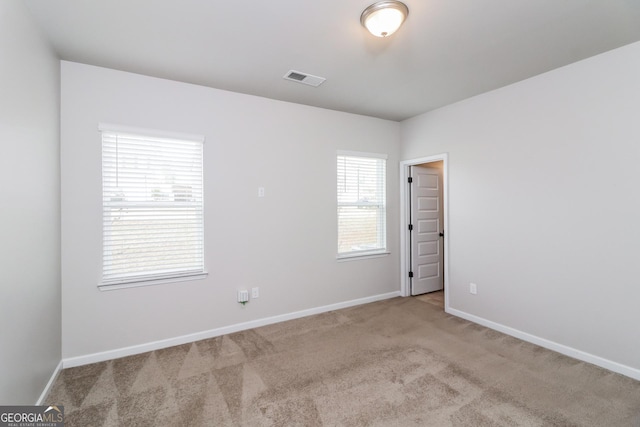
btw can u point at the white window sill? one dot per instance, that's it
(151, 282)
(355, 257)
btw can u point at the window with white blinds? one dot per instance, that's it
(362, 228)
(152, 199)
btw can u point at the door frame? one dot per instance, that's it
(405, 262)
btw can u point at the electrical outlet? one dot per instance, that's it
(255, 292)
(260, 191)
(473, 288)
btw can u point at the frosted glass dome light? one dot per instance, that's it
(384, 17)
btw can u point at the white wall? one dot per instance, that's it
(544, 203)
(284, 243)
(30, 212)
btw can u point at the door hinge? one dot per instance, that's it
(411, 274)
(410, 180)
(410, 227)
(442, 234)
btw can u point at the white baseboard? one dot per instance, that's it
(156, 345)
(47, 388)
(551, 345)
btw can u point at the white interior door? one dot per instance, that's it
(426, 230)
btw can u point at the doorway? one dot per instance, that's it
(424, 227)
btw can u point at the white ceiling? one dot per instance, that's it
(446, 51)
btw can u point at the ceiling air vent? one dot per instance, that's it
(308, 79)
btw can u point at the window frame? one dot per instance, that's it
(383, 233)
(150, 277)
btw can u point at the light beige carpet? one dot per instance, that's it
(399, 362)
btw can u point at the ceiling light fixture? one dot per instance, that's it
(384, 17)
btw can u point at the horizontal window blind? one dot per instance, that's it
(361, 205)
(153, 223)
